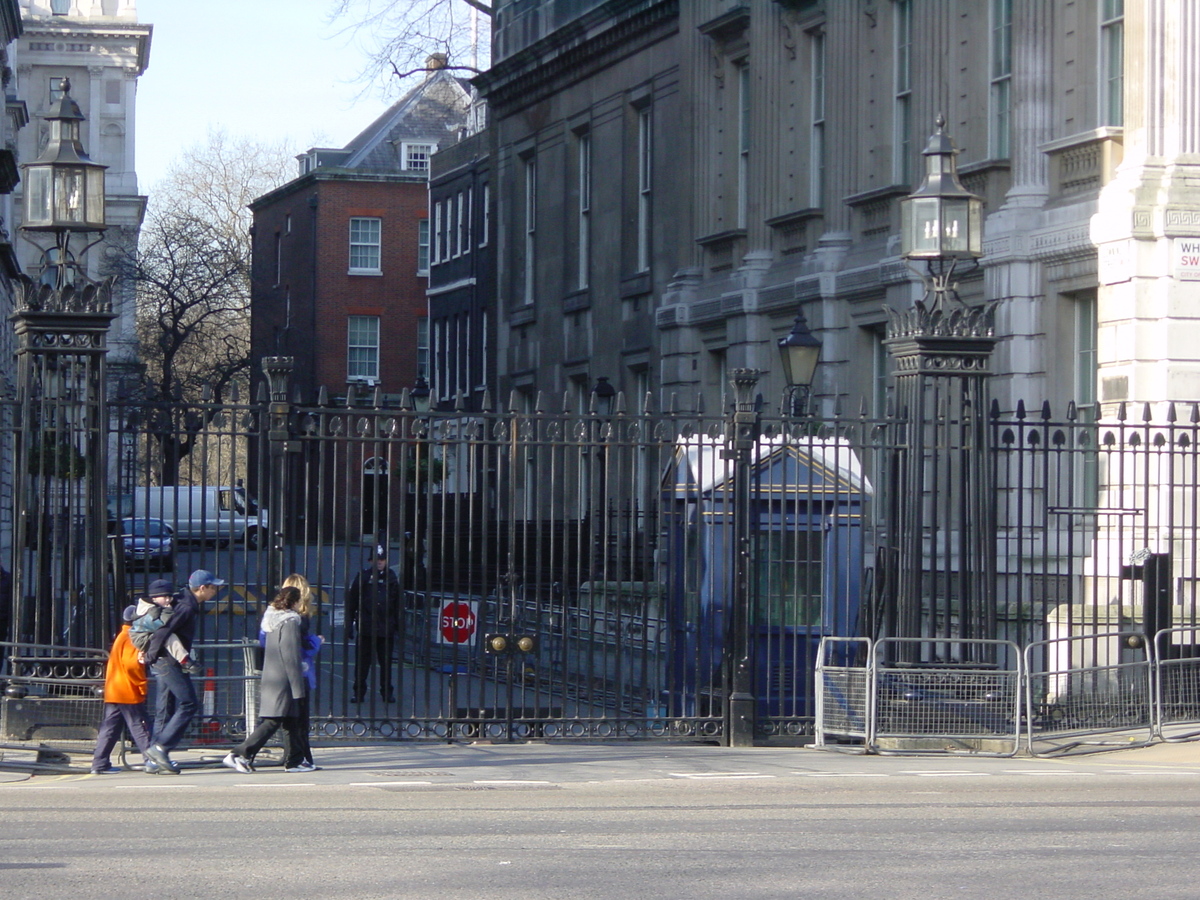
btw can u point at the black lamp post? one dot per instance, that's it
(941, 222)
(61, 322)
(941, 389)
(745, 427)
(64, 191)
(800, 352)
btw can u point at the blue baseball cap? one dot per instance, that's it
(201, 577)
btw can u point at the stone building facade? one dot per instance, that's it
(675, 180)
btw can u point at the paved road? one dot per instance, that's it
(613, 821)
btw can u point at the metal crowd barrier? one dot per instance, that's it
(51, 693)
(1091, 692)
(1177, 683)
(971, 702)
(844, 697)
(1076, 694)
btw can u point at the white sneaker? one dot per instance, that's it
(238, 763)
(303, 767)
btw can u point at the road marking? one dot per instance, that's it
(942, 774)
(158, 787)
(385, 783)
(511, 781)
(288, 784)
(843, 774)
(712, 775)
(1043, 772)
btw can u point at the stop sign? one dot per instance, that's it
(457, 622)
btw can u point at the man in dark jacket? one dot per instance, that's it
(373, 615)
(176, 695)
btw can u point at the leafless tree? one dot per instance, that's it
(191, 277)
(403, 34)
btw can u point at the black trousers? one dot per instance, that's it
(295, 738)
(372, 648)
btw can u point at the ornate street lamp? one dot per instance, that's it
(800, 352)
(421, 395)
(61, 321)
(941, 222)
(64, 191)
(602, 397)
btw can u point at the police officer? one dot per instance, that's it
(373, 609)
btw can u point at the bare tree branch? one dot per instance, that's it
(402, 34)
(191, 277)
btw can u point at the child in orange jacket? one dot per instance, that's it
(124, 701)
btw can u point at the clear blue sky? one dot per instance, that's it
(267, 69)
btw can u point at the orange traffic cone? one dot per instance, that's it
(210, 730)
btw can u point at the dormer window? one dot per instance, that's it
(415, 157)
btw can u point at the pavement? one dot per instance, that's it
(483, 765)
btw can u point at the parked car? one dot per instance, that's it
(149, 543)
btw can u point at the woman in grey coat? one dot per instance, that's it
(283, 686)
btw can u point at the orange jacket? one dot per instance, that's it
(124, 676)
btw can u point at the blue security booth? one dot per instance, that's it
(806, 500)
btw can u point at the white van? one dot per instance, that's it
(203, 514)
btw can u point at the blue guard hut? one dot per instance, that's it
(806, 550)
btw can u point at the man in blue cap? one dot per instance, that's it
(176, 695)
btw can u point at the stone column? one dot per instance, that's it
(1147, 228)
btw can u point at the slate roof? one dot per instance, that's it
(433, 112)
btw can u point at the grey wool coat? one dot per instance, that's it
(283, 671)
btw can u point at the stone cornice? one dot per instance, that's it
(573, 52)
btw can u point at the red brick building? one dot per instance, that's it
(340, 255)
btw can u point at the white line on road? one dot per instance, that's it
(711, 775)
(511, 781)
(842, 774)
(384, 783)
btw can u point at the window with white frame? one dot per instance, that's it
(362, 348)
(902, 155)
(465, 218)
(364, 245)
(423, 348)
(416, 156)
(437, 232)
(1000, 100)
(452, 246)
(645, 176)
(816, 147)
(1086, 350)
(485, 214)
(583, 150)
(423, 247)
(460, 220)
(56, 88)
(530, 228)
(743, 172)
(1112, 62)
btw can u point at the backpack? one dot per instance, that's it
(143, 627)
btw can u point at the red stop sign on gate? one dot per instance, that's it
(457, 622)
